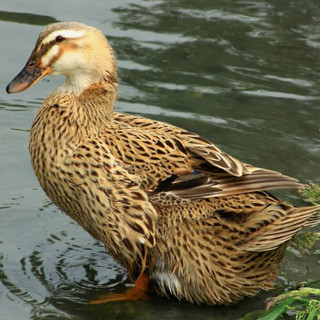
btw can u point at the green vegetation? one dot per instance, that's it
(311, 193)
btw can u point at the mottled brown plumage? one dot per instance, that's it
(161, 199)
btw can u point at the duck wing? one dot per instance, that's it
(187, 165)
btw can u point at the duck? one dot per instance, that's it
(179, 214)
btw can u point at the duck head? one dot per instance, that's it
(79, 52)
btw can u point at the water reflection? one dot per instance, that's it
(60, 270)
(27, 18)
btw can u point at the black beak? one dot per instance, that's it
(30, 74)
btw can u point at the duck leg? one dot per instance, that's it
(137, 292)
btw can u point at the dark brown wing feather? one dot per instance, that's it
(202, 185)
(217, 173)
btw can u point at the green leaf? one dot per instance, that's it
(276, 311)
(253, 315)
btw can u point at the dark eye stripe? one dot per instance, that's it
(44, 48)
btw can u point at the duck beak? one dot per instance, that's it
(30, 74)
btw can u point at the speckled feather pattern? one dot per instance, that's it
(163, 199)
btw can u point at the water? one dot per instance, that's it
(244, 74)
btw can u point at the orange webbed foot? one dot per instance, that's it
(137, 292)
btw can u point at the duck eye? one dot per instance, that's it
(59, 38)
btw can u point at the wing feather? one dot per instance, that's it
(290, 221)
(216, 173)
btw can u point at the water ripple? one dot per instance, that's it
(244, 74)
(282, 95)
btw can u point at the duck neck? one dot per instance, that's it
(98, 101)
(91, 108)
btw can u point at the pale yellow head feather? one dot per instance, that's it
(84, 55)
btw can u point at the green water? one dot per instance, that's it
(244, 74)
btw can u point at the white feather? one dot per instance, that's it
(165, 277)
(67, 34)
(169, 281)
(141, 240)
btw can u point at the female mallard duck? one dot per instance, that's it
(167, 204)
